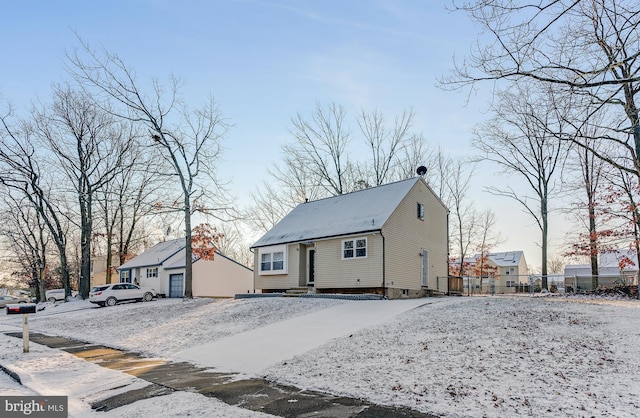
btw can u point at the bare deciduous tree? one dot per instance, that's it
(414, 154)
(321, 162)
(464, 218)
(556, 264)
(590, 172)
(21, 171)
(319, 148)
(588, 50)
(91, 148)
(189, 140)
(124, 201)
(518, 140)
(28, 238)
(488, 238)
(384, 143)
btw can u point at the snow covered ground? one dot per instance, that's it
(456, 357)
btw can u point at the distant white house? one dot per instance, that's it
(578, 277)
(162, 267)
(505, 271)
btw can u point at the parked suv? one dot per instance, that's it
(55, 295)
(111, 294)
(8, 300)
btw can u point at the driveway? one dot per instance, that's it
(250, 352)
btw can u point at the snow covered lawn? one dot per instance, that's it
(457, 357)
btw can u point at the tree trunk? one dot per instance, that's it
(41, 287)
(188, 270)
(109, 261)
(593, 247)
(545, 234)
(64, 266)
(462, 254)
(85, 244)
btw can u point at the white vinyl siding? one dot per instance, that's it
(334, 271)
(406, 236)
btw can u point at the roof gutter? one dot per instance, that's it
(367, 231)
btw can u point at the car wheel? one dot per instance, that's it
(111, 301)
(147, 297)
(51, 299)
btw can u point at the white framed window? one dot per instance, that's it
(420, 211)
(273, 260)
(152, 272)
(125, 276)
(511, 283)
(354, 248)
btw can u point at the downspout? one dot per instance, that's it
(384, 284)
(254, 269)
(448, 255)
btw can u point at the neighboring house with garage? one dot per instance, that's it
(390, 240)
(162, 267)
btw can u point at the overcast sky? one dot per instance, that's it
(266, 60)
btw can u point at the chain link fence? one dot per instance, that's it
(512, 284)
(586, 284)
(556, 283)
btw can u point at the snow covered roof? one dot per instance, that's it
(502, 259)
(585, 270)
(155, 255)
(506, 259)
(607, 264)
(161, 252)
(357, 212)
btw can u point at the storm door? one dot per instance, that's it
(311, 266)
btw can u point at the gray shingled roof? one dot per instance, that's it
(361, 211)
(155, 255)
(162, 251)
(506, 259)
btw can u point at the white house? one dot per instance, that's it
(162, 267)
(504, 272)
(611, 271)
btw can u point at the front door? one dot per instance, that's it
(311, 266)
(176, 285)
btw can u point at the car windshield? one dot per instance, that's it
(99, 288)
